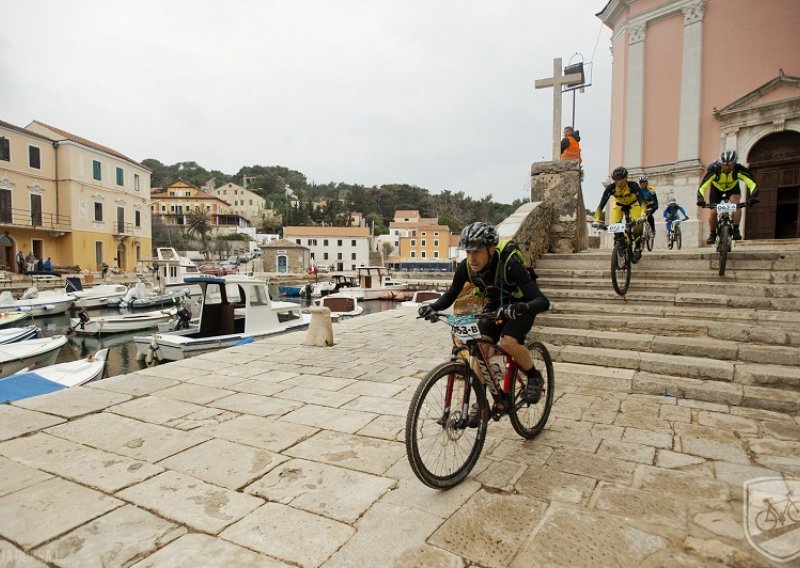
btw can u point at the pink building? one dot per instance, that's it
(694, 77)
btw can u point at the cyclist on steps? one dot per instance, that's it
(671, 214)
(497, 270)
(651, 199)
(721, 182)
(627, 195)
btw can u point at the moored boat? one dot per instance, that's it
(15, 334)
(235, 309)
(87, 325)
(421, 297)
(35, 303)
(374, 283)
(99, 296)
(342, 304)
(39, 352)
(32, 382)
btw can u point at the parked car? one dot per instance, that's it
(323, 268)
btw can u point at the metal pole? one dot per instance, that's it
(573, 109)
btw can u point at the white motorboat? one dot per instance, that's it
(87, 325)
(145, 295)
(36, 381)
(45, 303)
(15, 334)
(39, 352)
(343, 304)
(99, 296)
(374, 283)
(10, 318)
(421, 297)
(235, 309)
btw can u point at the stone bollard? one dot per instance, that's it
(320, 329)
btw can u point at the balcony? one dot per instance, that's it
(24, 219)
(123, 228)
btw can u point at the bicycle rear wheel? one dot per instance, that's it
(649, 236)
(724, 247)
(530, 417)
(620, 268)
(441, 446)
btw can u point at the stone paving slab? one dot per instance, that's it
(278, 454)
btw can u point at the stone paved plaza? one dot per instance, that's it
(278, 454)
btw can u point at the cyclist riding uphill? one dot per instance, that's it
(497, 269)
(650, 198)
(627, 195)
(723, 182)
(671, 213)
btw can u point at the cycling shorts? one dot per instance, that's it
(634, 208)
(517, 328)
(715, 195)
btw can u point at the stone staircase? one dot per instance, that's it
(681, 330)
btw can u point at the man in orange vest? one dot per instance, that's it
(570, 147)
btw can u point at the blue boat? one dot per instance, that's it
(289, 290)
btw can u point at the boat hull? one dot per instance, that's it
(37, 352)
(120, 324)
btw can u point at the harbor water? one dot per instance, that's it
(122, 353)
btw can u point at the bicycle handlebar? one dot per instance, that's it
(441, 316)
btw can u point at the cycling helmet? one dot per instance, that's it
(619, 173)
(642, 179)
(728, 157)
(672, 200)
(477, 235)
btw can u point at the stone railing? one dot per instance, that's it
(558, 185)
(530, 226)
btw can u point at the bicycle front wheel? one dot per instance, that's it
(442, 443)
(678, 237)
(620, 268)
(724, 247)
(649, 237)
(530, 415)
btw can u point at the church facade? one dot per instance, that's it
(691, 78)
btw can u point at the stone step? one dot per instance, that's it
(675, 285)
(591, 310)
(742, 384)
(674, 326)
(708, 261)
(771, 244)
(654, 297)
(591, 378)
(704, 347)
(678, 275)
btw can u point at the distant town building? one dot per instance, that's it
(243, 202)
(285, 256)
(418, 243)
(341, 248)
(175, 202)
(71, 199)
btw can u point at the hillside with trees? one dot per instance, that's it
(331, 203)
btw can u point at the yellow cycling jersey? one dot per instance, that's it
(626, 195)
(726, 182)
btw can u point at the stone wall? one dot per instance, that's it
(558, 185)
(530, 227)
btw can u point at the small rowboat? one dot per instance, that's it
(33, 382)
(39, 352)
(86, 325)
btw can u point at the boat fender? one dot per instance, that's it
(153, 352)
(244, 341)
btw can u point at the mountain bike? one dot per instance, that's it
(768, 519)
(449, 412)
(674, 237)
(648, 236)
(626, 252)
(725, 210)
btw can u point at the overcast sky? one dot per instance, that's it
(437, 94)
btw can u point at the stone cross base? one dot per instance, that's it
(558, 185)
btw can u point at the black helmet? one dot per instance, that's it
(477, 235)
(728, 157)
(619, 173)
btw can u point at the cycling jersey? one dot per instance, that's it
(649, 195)
(671, 211)
(627, 195)
(727, 183)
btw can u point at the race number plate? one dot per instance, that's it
(466, 328)
(616, 228)
(726, 208)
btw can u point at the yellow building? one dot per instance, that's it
(173, 203)
(69, 199)
(425, 244)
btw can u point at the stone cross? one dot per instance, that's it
(556, 81)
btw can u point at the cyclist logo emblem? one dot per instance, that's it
(772, 517)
